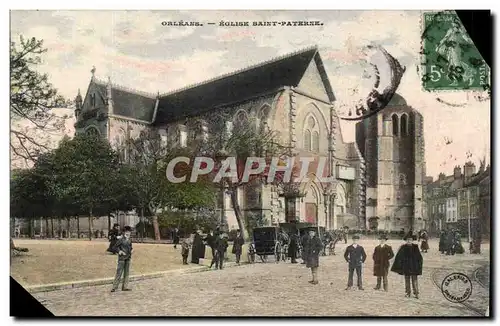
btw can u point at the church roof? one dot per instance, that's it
(240, 85)
(129, 103)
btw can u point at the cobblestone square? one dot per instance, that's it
(282, 289)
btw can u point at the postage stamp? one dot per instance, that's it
(450, 60)
(248, 163)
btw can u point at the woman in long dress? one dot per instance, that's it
(198, 250)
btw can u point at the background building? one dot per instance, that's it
(392, 144)
(464, 196)
(290, 94)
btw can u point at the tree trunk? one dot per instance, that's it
(78, 227)
(109, 222)
(30, 228)
(239, 215)
(156, 227)
(68, 220)
(52, 227)
(90, 224)
(59, 228)
(46, 227)
(143, 223)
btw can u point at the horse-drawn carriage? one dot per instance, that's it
(269, 241)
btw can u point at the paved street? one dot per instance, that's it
(280, 290)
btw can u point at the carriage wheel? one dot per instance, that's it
(277, 252)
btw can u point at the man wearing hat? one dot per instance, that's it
(123, 247)
(355, 256)
(238, 243)
(381, 256)
(409, 262)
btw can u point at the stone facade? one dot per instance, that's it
(290, 95)
(392, 144)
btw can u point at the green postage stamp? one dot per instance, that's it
(450, 60)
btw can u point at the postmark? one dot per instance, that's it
(381, 93)
(450, 60)
(456, 287)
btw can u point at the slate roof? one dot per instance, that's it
(130, 103)
(240, 85)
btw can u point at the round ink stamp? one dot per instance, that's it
(456, 287)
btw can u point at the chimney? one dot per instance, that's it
(441, 176)
(428, 179)
(457, 172)
(469, 169)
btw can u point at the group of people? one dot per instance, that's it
(218, 243)
(408, 261)
(450, 242)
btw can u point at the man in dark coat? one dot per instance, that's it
(238, 246)
(123, 247)
(381, 256)
(176, 237)
(450, 242)
(442, 242)
(293, 246)
(409, 262)
(304, 241)
(314, 248)
(220, 250)
(355, 255)
(113, 235)
(198, 250)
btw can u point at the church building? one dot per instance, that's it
(290, 95)
(392, 144)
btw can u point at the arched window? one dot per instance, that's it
(315, 141)
(404, 125)
(241, 119)
(262, 117)
(395, 125)
(311, 134)
(307, 140)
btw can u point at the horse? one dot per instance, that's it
(330, 240)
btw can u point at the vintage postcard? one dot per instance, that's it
(250, 163)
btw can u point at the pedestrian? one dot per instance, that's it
(442, 242)
(175, 237)
(314, 247)
(458, 248)
(198, 248)
(293, 246)
(381, 256)
(220, 250)
(355, 256)
(424, 245)
(304, 241)
(238, 243)
(450, 242)
(210, 240)
(124, 248)
(409, 262)
(113, 237)
(185, 251)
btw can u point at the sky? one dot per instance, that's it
(137, 51)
